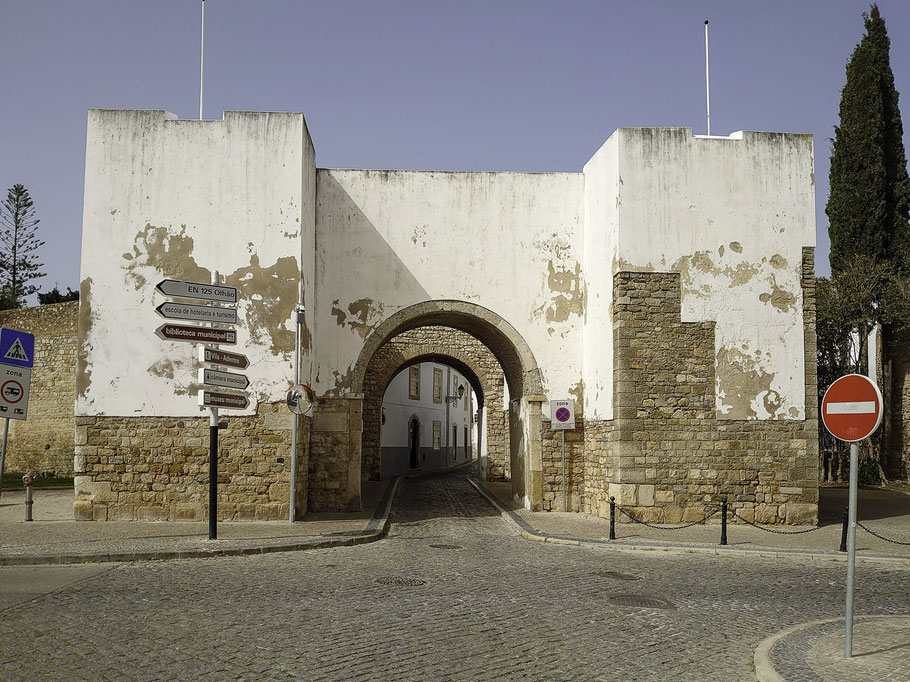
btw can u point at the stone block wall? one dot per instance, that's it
(671, 459)
(553, 469)
(335, 453)
(898, 436)
(44, 442)
(157, 468)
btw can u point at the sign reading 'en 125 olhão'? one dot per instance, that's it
(852, 408)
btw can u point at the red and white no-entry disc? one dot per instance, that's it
(852, 408)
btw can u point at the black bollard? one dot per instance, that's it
(723, 522)
(612, 518)
(843, 532)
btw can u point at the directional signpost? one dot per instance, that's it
(197, 291)
(197, 313)
(852, 411)
(214, 315)
(562, 418)
(17, 356)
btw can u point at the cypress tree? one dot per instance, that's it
(869, 188)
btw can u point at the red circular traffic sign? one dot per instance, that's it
(852, 408)
(563, 414)
(12, 391)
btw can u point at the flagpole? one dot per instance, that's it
(201, 58)
(707, 80)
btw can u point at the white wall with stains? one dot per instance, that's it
(731, 215)
(511, 242)
(166, 198)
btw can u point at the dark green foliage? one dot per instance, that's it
(55, 296)
(18, 245)
(869, 472)
(870, 191)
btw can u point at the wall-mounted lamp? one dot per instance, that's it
(454, 398)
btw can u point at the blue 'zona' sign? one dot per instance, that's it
(17, 348)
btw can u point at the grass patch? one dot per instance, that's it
(13, 481)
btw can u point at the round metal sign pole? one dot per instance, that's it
(852, 411)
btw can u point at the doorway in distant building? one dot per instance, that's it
(413, 443)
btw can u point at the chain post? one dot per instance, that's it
(723, 522)
(843, 532)
(612, 518)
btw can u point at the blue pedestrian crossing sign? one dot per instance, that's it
(17, 348)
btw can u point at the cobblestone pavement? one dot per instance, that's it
(490, 606)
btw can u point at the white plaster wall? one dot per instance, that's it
(169, 198)
(601, 177)
(506, 241)
(731, 215)
(398, 408)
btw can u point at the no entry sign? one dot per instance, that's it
(852, 408)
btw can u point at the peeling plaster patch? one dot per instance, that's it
(342, 381)
(270, 294)
(83, 373)
(578, 392)
(778, 261)
(164, 368)
(701, 261)
(743, 387)
(420, 235)
(781, 299)
(736, 246)
(569, 296)
(291, 235)
(720, 251)
(362, 316)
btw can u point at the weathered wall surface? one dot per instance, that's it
(731, 215)
(673, 457)
(510, 242)
(898, 444)
(166, 198)
(156, 468)
(44, 442)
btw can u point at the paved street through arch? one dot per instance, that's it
(490, 605)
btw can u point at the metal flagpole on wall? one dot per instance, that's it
(707, 80)
(201, 58)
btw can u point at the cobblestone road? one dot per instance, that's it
(493, 606)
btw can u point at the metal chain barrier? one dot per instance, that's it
(882, 537)
(651, 525)
(774, 530)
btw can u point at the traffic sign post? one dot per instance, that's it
(852, 411)
(17, 357)
(562, 418)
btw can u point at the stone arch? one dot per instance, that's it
(428, 331)
(505, 343)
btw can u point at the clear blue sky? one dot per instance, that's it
(520, 85)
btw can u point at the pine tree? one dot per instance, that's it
(870, 191)
(18, 246)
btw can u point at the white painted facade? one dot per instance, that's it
(168, 198)
(399, 409)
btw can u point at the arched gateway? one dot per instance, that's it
(484, 348)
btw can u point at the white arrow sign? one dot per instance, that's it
(197, 313)
(214, 377)
(197, 290)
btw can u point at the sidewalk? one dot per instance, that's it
(53, 537)
(884, 512)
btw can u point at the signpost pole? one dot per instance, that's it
(564, 471)
(3, 452)
(213, 459)
(851, 547)
(292, 495)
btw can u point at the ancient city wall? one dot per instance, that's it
(44, 442)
